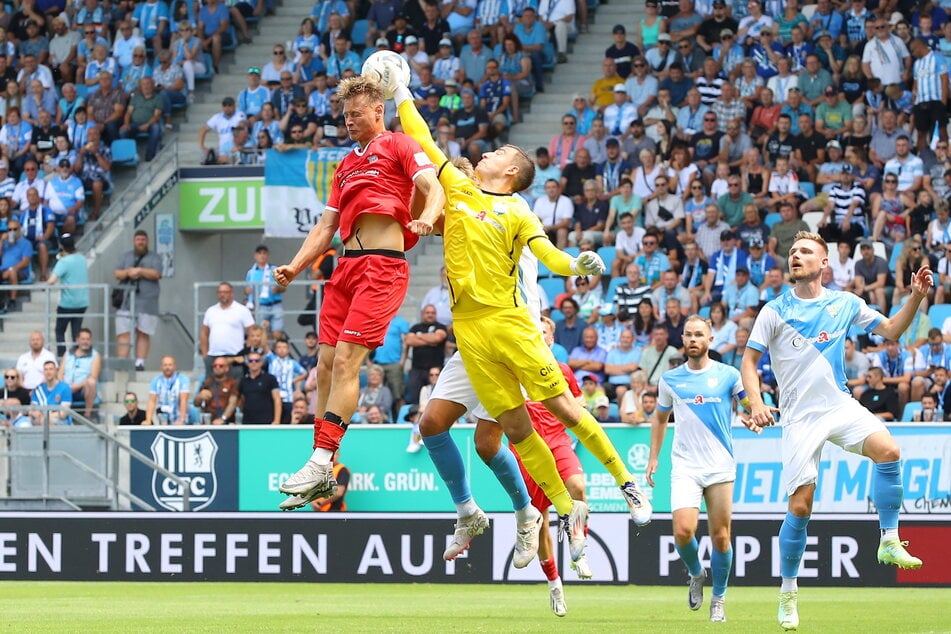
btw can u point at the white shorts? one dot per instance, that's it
(846, 426)
(146, 324)
(687, 485)
(453, 385)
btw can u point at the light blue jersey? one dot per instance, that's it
(806, 343)
(702, 401)
(168, 391)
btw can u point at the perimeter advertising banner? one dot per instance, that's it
(407, 548)
(385, 478)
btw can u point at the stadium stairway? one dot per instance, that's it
(277, 29)
(541, 122)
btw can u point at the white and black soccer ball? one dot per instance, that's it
(388, 68)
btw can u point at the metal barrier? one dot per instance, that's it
(43, 295)
(97, 442)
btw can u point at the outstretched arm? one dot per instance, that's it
(316, 243)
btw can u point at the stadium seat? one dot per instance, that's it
(358, 34)
(400, 415)
(548, 50)
(614, 412)
(704, 312)
(808, 189)
(543, 271)
(772, 219)
(230, 40)
(553, 287)
(909, 413)
(209, 69)
(572, 251)
(812, 219)
(892, 261)
(124, 153)
(938, 314)
(608, 254)
(612, 286)
(556, 314)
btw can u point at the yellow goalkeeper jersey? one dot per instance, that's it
(483, 232)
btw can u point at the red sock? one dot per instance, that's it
(318, 422)
(550, 568)
(330, 436)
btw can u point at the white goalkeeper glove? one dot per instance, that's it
(588, 263)
(401, 93)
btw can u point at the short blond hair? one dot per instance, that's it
(815, 237)
(361, 85)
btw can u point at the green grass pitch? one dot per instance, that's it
(102, 607)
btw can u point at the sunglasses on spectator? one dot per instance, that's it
(891, 180)
(297, 131)
(714, 119)
(649, 243)
(255, 360)
(130, 400)
(279, 52)
(9, 377)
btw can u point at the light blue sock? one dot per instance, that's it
(506, 470)
(887, 493)
(448, 461)
(721, 564)
(792, 544)
(690, 556)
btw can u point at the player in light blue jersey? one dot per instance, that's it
(702, 466)
(804, 331)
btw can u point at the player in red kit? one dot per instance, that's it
(370, 203)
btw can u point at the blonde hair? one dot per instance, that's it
(815, 237)
(696, 317)
(464, 165)
(361, 85)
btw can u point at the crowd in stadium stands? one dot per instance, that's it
(716, 131)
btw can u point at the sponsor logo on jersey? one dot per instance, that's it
(700, 399)
(798, 341)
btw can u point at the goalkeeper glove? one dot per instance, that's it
(588, 263)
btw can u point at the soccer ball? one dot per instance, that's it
(388, 68)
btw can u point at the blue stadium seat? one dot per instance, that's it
(614, 412)
(612, 286)
(808, 189)
(938, 314)
(400, 415)
(124, 153)
(548, 50)
(543, 271)
(893, 261)
(230, 40)
(704, 311)
(772, 219)
(572, 251)
(553, 286)
(910, 408)
(358, 34)
(209, 69)
(556, 314)
(608, 254)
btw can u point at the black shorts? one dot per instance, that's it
(245, 9)
(929, 113)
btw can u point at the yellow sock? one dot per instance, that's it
(540, 464)
(592, 436)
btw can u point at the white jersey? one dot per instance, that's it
(805, 339)
(702, 401)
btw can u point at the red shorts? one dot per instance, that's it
(568, 465)
(363, 295)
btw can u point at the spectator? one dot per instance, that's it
(844, 217)
(879, 397)
(289, 374)
(603, 90)
(631, 292)
(782, 234)
(643, 322)
(495, 93)
(30, 364)
(187, 53)
(133, 415)
(741, 297)
(16, 253)
(80, 368)
(555, 212)
(940, 390)
(427, 338)
(374, 393)
(590, 214)
(665, 213)
(138, 271)
(391, 357)
(575, 175)
(620, 363)
(707, 235)
(586, 291)
(52, 392)
(438, 296)
(425, 393)
(240, 12)
(223, 124)
(260, 393)
(67, 194)
(908, 168)
(309, 358)
(106, 107)
(619, 114)
(886, 57)
(70, 270)
(902, 369)
(515, 66)
(13, 388)
(213, 21)
(133, 74)
(669, 288)
(641, 87)
(929, 412)
(62, 51)
(169, 83)
(217, 399)
(168, 396)
(471, 124)
(558, 16)
(39, 225)
(31, 179)
(265, 297)
(655, 358)
(144, 116)
(222, 334)
(15, 136)
(723, 266)
(100, 62)
(871, 275)
(569, 329)
(342, 60)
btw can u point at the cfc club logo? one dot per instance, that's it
(193, 460)
(637, 456)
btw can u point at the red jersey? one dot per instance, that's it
(378, 179)
(544, 422)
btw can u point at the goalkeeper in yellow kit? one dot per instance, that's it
(485, 228)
